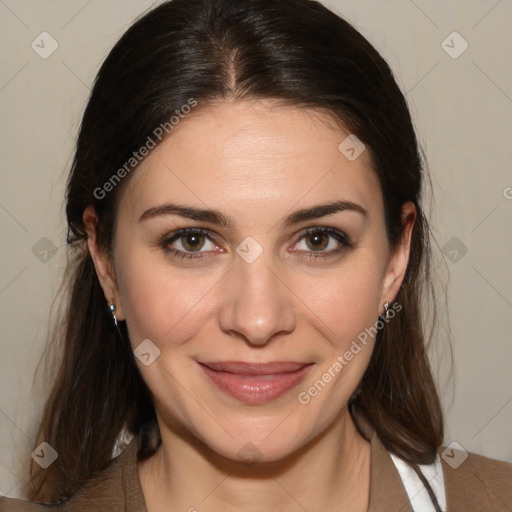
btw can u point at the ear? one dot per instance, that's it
(102, 263)
(399, 257)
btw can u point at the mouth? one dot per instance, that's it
(255, 383)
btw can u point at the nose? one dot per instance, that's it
(258, 305)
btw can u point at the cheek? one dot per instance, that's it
(344, 302)
(158, 303)
(346, 308)
(167, 305)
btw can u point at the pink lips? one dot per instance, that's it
(255, 382)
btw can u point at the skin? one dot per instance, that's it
(256, 163)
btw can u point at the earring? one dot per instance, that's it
(112, 310)
(387, 312)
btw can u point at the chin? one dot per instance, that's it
(258, 440)
(251, 451)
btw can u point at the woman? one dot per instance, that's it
(250, 251)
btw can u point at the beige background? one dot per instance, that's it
(462, 109)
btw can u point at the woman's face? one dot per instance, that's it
(252, 314)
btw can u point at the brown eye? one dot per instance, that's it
(193, 241)
(190, 243)
(317, 240)
(322, 242)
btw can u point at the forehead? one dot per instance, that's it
(252, 154)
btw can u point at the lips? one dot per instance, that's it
(242, 368)
(255, 382)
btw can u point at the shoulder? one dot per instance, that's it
(484, 483)
(12, 505)
(104, 492)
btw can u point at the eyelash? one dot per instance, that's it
(339, 236)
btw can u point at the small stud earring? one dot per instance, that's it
(112, 310)
(387, 312)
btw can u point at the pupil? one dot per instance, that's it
(318, 240)
(193, 241)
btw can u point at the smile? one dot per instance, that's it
(255, 383)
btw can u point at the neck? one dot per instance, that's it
(330, 473)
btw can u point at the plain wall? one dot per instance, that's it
(462, 109)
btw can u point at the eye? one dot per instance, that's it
(185, 242)
(322, 242)
(318, 242)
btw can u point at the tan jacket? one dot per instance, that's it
(479, 484)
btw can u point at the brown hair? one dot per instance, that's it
(294, 51)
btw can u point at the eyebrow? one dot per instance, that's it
(217, 218)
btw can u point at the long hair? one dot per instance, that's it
(299, 53)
